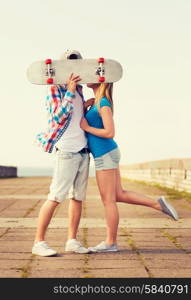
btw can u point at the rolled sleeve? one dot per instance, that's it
(59, 107)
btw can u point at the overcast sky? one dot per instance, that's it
(150, 38)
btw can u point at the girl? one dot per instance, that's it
(99, 126)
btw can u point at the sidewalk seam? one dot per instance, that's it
(85, 269)
(173, 239)
(4, 233)
(133, 246)
(8, 206)
(29, 210)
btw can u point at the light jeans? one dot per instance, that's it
(70, 176)
(108, 161)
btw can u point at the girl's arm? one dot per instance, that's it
(108, 131)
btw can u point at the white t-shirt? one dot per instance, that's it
(74, 139)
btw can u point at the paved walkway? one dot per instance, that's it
(151, 244)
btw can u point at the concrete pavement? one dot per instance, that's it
(151, 244)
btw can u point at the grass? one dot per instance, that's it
(174, 240)
(172, 193)
(135, 249)
(25, 270)
(5, 232)
(85, 268)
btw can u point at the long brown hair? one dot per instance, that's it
(104, 90)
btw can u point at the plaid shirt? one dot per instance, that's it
(60, 108)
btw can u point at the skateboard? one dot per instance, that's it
(90, 71)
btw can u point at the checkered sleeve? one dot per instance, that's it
(59, 107)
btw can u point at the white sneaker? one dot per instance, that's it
(41, 248)
(75, 246)
(103, 247)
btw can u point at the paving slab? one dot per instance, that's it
(60, 273)
(25, 222)
(118, 273)
(11, 273)
(170, 273)
(150, 243)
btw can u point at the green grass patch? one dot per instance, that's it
(172, 238)
(172, 193)
(132, 245)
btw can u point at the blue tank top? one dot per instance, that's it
(98, 146)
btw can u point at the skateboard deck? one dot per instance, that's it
(90, 71)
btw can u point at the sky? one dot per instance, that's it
(152, 102)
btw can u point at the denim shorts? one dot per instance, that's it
(70, 176)
(108, 161)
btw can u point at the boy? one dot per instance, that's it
(65, 105)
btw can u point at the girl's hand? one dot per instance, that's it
(89, 102)
(84, 124)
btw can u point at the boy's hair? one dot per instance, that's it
(71, 54)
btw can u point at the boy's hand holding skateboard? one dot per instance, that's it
(72, 82)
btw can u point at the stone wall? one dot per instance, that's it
(172, 173)
(7, 172)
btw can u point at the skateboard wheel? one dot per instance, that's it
(101, 79)
(48, 61)
(50, 80)
(101, 60)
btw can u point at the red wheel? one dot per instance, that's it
(101, 60)
(49, 80)
(101, 79)
(48, 61)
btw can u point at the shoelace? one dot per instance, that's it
(101, 245)
(80, 245)
(45, 245)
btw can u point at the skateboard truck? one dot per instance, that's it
(50, 71)
(101, 70)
